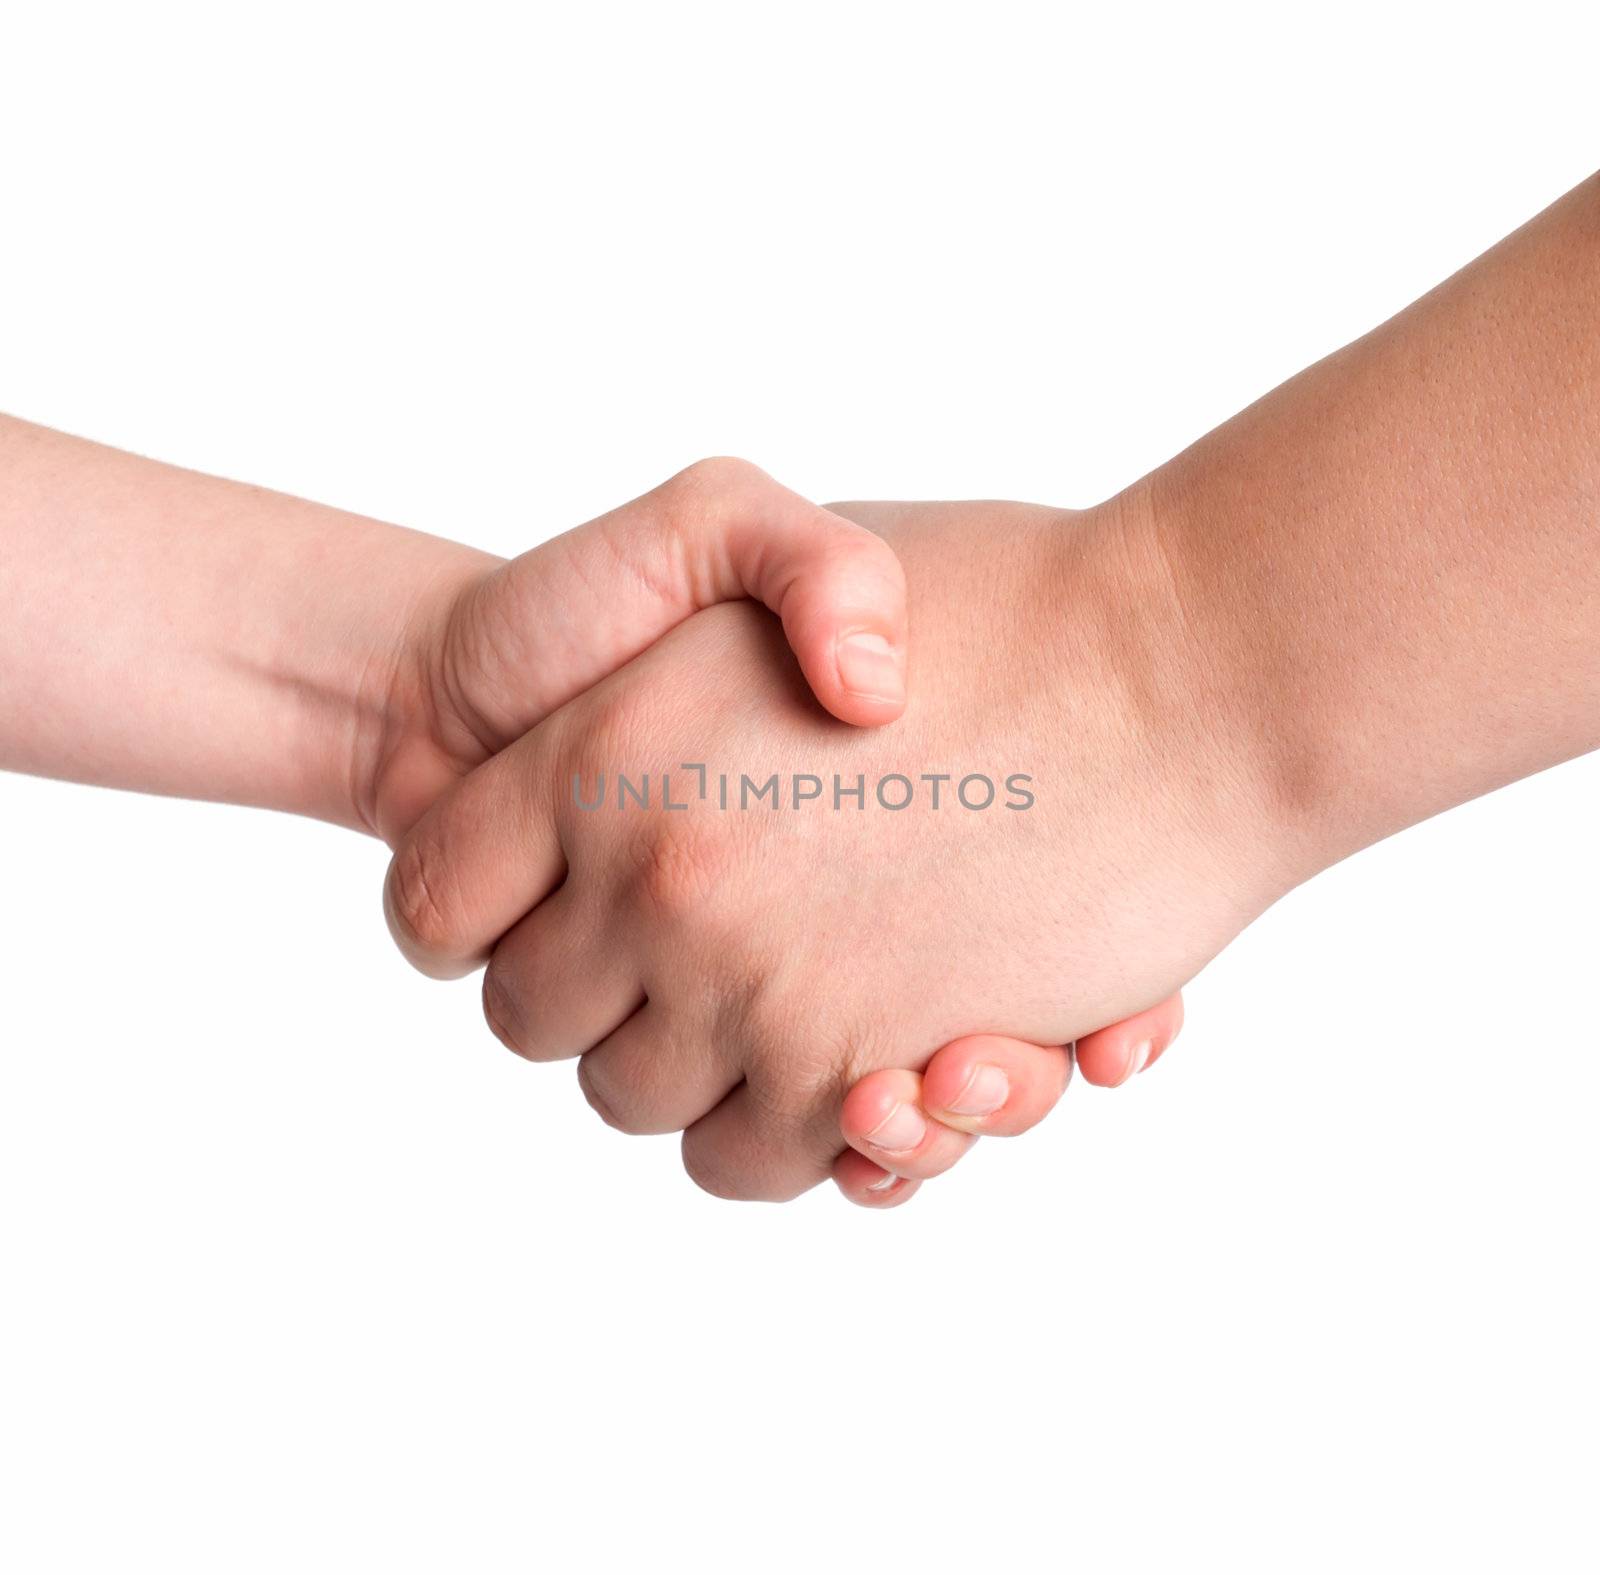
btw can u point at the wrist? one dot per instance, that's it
(1188, 687)
(360, 656)
(173, 632)
(1259, 617)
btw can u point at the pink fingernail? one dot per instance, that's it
(1137, 1059)
(987, 1090)
(886, 1184)
(901, 1129)
(870, 667)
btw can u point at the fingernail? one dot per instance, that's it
(886, 1184)
(869, 666)
(1137, 1059)
(901, 1129)
(987, 1090)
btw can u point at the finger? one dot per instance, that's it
(549, 991)
(751, 1147)
(550, 624)
(481, 856)
(987, 1083)
(648, 1077)
(1115, 1054)
(883, 1119)
(868, 1184)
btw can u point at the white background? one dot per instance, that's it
(301, 1270)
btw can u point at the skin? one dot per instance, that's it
(951, 1093)
(655, 944)
(179, 633)
(1369, 597)
(1388, 567)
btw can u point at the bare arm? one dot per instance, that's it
(178, 633)
(1370, 596)
(1391, 564)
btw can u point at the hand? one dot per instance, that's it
(733, 973)
(345, 668)
(985, 1086)
(714, 529)
(494, 647)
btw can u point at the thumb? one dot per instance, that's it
(546, 626)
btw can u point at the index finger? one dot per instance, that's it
(480, 857)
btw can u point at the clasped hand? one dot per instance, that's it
(732, 964)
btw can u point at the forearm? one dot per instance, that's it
(177, 633)
(1387, 572)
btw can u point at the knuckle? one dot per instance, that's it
(613, 1108)
(599, 749)
(798, 1080)
(502, 1011)
(676, 873)
(716, 473)
(700, 491)
(421, 910)
(712, 1174)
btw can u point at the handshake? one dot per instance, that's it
(842, 931)
(1018, 775)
